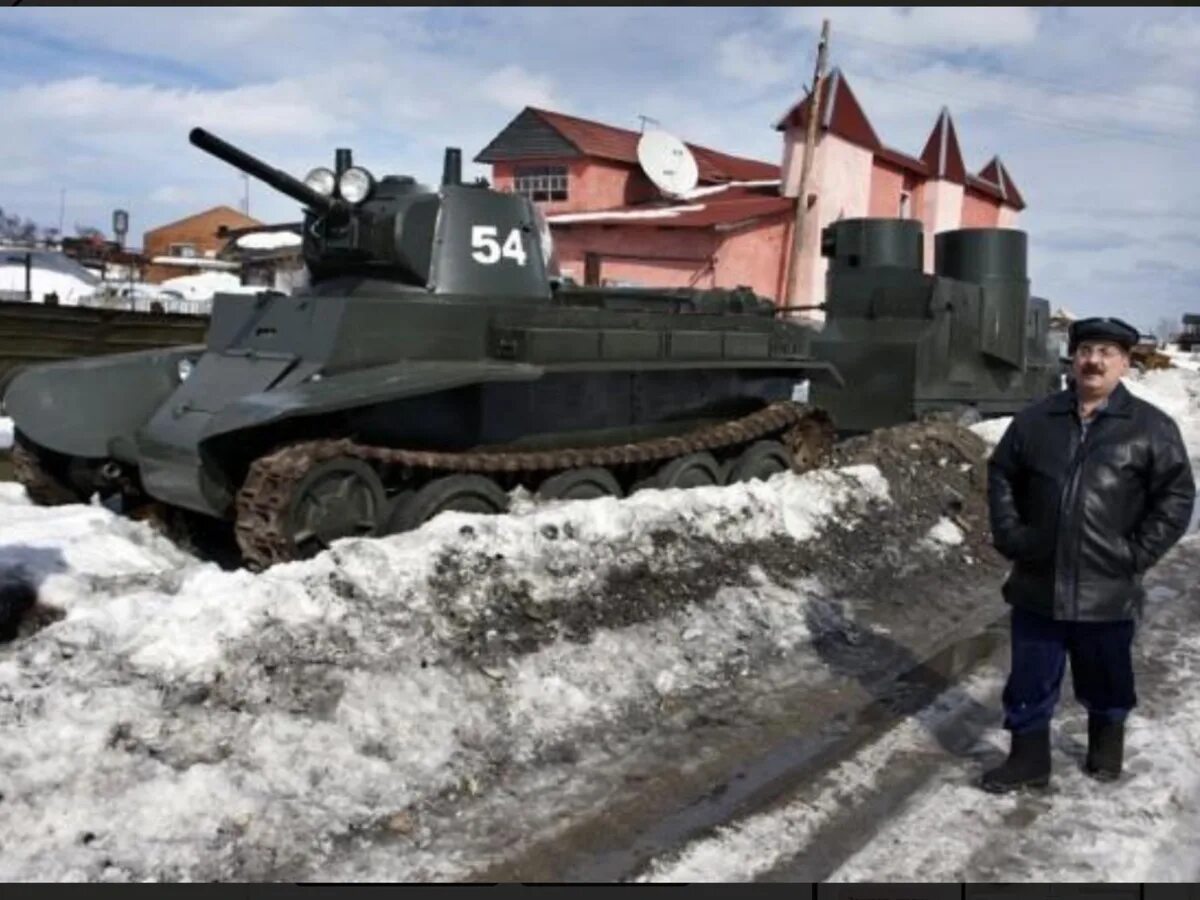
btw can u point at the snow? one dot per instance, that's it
(6, 433)
(1184, 359)
(70, 288)
(204, 285)
(1175, 391)
(991, 430)
(663, 212)
(197, 262)
(178, 722)
(192, 705)
(1145, 828)
(945, 533)
(709, 190)
(269, 240)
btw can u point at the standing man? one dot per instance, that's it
(1086, 491)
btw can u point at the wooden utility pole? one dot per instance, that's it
(810, 143)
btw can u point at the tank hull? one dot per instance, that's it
(447, 374)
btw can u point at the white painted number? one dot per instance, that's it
(487, 250)
(513, 248)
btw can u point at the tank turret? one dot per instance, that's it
(395, 232)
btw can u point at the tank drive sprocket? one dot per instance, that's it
(269, 490)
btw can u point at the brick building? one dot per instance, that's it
(191, 245)
(611, 225)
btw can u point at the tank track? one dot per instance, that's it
(263, 499)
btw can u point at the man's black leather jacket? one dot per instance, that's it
(1083, 519)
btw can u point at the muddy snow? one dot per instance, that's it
(421, 706)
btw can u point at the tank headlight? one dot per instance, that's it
(184, 368)
(355, 184)
(321, 180)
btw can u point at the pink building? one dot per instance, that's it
(612, 226)
(853, 174)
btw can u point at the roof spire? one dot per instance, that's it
(996, 172)
(942, 155)
(840, 113)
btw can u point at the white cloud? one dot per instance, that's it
(283, 108)
(513, 88)
(1178, 38)
(945, 28)
(174, 194)
(745, 58)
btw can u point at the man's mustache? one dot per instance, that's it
(1092, 370)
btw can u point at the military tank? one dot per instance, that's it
(966, 342)
(432, 363)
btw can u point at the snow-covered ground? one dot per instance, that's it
(1146, 827)
(70, 286)
(175, 721)
(178, 715)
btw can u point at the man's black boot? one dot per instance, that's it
(1106, 748)
(1028, 764)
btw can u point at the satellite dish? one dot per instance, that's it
(667, 163)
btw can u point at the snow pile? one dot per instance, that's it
(1175, 391)
(246, 726)
(70, 288)
(269, 240)
(1184, 359)
(206, 284)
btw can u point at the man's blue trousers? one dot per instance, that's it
(1101, 669)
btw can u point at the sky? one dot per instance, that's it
(1094, 111)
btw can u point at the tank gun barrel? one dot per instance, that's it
(276, 178)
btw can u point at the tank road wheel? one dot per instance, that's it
(579, 484)
(338, 498)
(760, 460)
(693, 470)
(44, 486)
(464, 493)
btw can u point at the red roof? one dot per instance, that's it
(841, 114)
(608, 142)
(732, 206)
(994, 179)
(903, 160)
(942, 155)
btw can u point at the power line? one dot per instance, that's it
(1055, 121)
(1061, 87)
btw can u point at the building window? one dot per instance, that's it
(185, 250)
(905, 205)
(541, 183)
